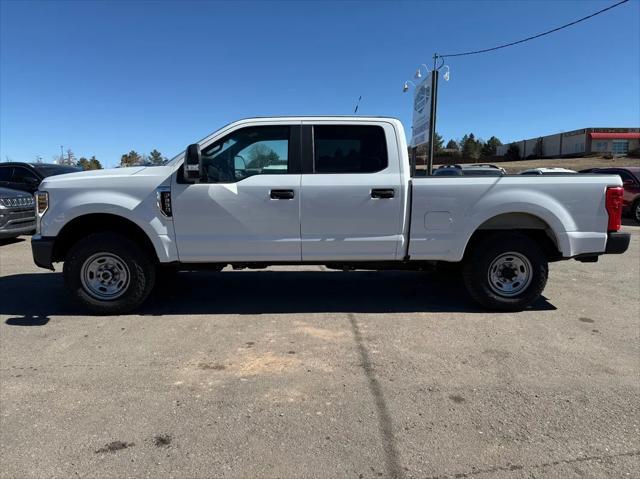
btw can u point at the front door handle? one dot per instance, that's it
(281, 194)
(383, 193)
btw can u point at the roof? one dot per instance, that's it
(27, 163)
(615, 136)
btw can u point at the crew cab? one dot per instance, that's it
(334, 191)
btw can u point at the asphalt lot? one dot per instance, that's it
(297, 372)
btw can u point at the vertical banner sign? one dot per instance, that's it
(421, 112)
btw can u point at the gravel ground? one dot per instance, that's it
(299, 372)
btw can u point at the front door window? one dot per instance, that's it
(259, 150)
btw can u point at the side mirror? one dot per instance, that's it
(192, 165)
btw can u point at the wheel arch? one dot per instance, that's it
(528, 224)
(83, 225)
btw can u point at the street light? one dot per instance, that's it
(405, 88)
(419, 73)
(447, 74)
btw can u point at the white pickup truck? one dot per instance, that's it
(334, 191)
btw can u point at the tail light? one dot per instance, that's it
(613, 203)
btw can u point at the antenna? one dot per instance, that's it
(355, 110)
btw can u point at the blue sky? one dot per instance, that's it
(106, 77)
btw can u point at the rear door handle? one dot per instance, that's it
(383, 193)
(281, 194)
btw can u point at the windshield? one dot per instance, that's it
(53, 170)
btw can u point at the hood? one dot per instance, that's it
(9, 193)
(109, 172)
(105, 177)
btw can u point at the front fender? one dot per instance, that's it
(67, 206)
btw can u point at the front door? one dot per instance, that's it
(247, 205)
(352, 195)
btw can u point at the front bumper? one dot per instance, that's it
(42, 250)
(617, 243)
(17, 231)
(16, 221)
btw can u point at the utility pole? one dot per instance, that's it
(61, 155)
(432, 122)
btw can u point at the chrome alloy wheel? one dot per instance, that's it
(105, 276)
(509, 274)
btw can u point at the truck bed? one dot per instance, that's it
(445, 211)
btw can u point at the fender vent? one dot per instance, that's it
(163, 199)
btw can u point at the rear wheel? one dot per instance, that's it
(636, 210)
(108, 273)
(506, 272)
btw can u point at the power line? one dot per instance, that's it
(535, 36)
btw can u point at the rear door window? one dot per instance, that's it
(20, 174)
(5, 173)
(349, 149)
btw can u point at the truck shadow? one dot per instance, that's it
(35, 297)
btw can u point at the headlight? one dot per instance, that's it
(42, 202)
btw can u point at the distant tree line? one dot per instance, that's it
(133, 158)
(468, 147)
(69, 159)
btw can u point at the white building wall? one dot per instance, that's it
(551, 145)
(601, 146)
(574, 143)
(570, 143)
(502, 150)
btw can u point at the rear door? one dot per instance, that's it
(352, 197)
(247, 205)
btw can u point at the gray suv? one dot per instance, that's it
(17, 213)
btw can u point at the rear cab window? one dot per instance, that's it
(349, 149)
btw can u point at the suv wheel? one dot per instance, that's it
(506, 272)
(636, 210)
(108, 273)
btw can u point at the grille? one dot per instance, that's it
(21, 201)
(19, 215)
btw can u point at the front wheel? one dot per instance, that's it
(506, 272)
(108, 273)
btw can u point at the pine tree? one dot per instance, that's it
(94, 163)
(156, 158)
(130, 159)
(470, 147)
(84, 163)
(490, 148)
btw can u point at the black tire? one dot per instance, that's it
(141, 272)
(476, 271)
(635, 211)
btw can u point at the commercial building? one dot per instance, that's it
(616, 141)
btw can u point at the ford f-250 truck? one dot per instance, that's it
(334, 191)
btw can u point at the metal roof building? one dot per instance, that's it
(616, 141)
